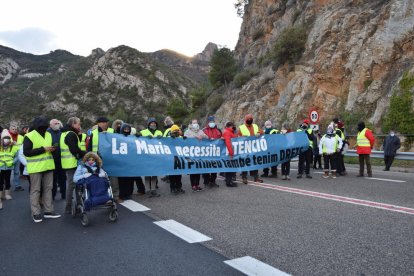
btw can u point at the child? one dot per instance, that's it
(90, 172)
(8, 157)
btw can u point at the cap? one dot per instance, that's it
(175, 128)
(306, 121)
(151, 120)
(340, 124)
(210, 118)
(102, 120)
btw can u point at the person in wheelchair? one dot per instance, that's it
(90, 175)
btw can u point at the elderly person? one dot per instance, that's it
(17, 139)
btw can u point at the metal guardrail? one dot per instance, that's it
(380, 154)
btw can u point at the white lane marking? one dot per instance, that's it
(378, 205)
(134, 206)
(252, 266)
(383, 179)
(182, 231)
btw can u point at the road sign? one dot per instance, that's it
(314, 116)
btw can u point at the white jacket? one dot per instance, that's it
(327, 144)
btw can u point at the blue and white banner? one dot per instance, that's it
(132, 156)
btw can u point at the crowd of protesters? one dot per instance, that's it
(48, 156)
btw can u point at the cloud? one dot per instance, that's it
(30, 40)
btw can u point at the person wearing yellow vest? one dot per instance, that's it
(269, 129)
(329, 146)
(250, 129)
(8, 159)
(102, 123)
(176, 185)
(365, 143)
(18, 141)
(70, 153)
(150, 132)
(37, 147)
(59, 176)
(305, 157)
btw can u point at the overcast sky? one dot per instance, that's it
(79, 26)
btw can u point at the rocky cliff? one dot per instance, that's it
(355, 54)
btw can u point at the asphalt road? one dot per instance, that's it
(300, 234)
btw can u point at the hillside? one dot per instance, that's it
(120, 83)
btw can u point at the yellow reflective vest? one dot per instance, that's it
(42, 162)
(245, 131)
(7, 156)
(95, 138)
(83, 142)
(68, 160)
(147, 132)
(309, 130)
(362, 140)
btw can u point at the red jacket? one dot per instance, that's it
(371, 138)
(228, 135)
(212, 133)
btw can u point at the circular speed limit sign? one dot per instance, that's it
(314, 116)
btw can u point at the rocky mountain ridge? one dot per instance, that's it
(121, 82)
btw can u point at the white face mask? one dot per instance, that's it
(284, 131)
(56, 127)
(211, 125)
(195, 126)
(392, 133)
(6, 142)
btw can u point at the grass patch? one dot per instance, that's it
(380, 162)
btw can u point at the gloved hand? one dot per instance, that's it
(138, 134)
(184, 137)
(86, 175)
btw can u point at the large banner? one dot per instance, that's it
(132, 156)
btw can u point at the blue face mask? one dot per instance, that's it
(212, 125)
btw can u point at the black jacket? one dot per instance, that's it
(40, 124)
(391, 145)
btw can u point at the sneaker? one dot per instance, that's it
(244, 179)
(18, 189)
(299, 176)
(194, 188)
(284, 177)
(181, 191)
(37, 218)
(258, 180)
(199, 188)
(308, 176)
(51, 215)
(287, 177)
(325, 176)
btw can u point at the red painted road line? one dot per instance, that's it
(372, 204)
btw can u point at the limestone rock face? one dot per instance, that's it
(8, 68)
(355, 54)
